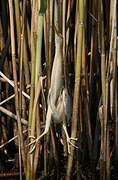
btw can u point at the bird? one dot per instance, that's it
(58, 104)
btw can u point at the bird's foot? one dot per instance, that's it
(70, 143)
(32, 144)
(35, 141)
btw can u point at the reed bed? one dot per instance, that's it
(82, 38)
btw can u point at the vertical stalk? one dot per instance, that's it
(18, 22)
(115, 81)
(15, 83)
(50, 38)
(39, 47)
(33, 36)
(21, 58)
(32, 91)
(77, 84)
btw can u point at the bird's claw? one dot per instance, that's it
(32, 137)
(74, 139)
(70, 143)
(31, 151)
(31, 143)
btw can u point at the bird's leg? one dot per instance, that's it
(69, 139)
(47, 126)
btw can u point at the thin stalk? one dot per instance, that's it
(115, 82)
(103, 82)
(84, 85)
(20, 163)
(33, 63)
(76, 30)
(33, 125)
(77, 84)
(112, 53)
(10, 140)
(12, 115)
(6, 100)
(21, 57)
(112, 32)
(67, 22)
(50, 44)
(64, 38)
(18, 23)
(106, 155)
(25, 44)
(93, 53)
(37, 152)
(25, 61)
(16, 84)
(32, 91)
(12, 84)
(38, 68)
